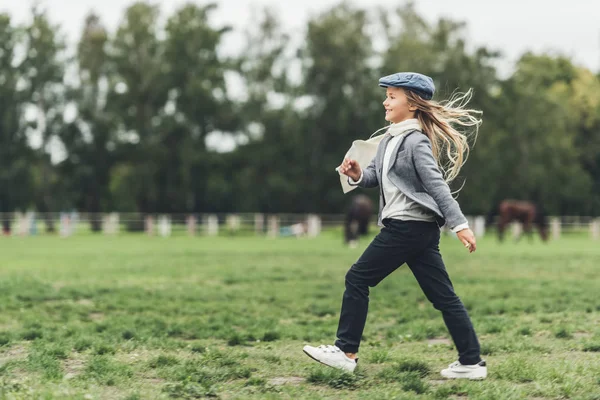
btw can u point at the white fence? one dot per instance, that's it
(270, 225)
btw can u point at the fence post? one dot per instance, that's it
(211, 223)
(555, 228)
(259, 224)
(20, 224)
(190, 222)
(273, 226)
(28, 224)
(516, 229)
(110, 223)
(65, 225)
(314, 225)
(479, 226)
(595, 228)
(164, 225)
(74, 221)
(32, 223)
(233, 222)
(471, 222)
(106, 229)
(149, 225)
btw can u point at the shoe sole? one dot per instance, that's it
(471, 378)
(321, 362)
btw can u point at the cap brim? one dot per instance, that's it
(420, 93)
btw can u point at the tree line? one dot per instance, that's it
(122, 121)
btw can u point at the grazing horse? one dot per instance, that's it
(525, 212)
(357, 219)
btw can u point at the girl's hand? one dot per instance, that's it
(467, 237)
(351, 168)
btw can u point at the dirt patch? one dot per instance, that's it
(438, 341)
(109, 393)
(85, 302)
(154, 381)
(143, 356)
(17, 375)
(287, 380)
(96, 316)
(14, 353)
(73, 367)
(7, 327)
(582, 335)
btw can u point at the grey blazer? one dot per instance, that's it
(415, 172)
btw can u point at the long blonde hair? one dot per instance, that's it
(441, 122)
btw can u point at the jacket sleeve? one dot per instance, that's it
(368, 177)
(434, 183)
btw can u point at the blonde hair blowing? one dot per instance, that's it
(449, 125)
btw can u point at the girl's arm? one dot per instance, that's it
(368, 177)
(434, 183)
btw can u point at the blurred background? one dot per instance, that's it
(117, 114)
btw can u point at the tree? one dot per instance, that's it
(90, 138)
(537, 157)
(265, 166)
(140, 92)
(43, 70)
(197, 105)
(581, 99)
(15, 154)
(339, 77)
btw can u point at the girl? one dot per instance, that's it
(419, 155)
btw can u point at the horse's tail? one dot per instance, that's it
(541, 217)
(489, 220)
(348, 223)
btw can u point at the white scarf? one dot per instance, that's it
(406, 125)
(363, 151)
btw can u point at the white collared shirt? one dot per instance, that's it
(397, 205)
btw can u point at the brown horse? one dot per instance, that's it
(525, 212)
(357, 219)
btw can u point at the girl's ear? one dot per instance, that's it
(411, 107)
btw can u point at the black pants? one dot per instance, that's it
(417, 244)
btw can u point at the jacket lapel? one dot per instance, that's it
(395, 152)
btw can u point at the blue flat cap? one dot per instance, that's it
(418, 83)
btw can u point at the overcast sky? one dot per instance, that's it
(569, 27)
(512, 26)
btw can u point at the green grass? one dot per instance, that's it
(136, 317)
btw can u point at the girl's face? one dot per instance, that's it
(397, 108)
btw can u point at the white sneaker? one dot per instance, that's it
(456, 370)
(331, 356)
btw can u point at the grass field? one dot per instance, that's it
(135, 317)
